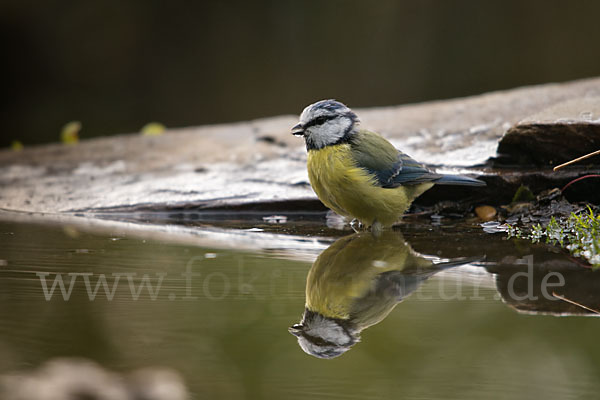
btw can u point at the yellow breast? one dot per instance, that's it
(352, 192)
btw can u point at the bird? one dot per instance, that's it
(355, 283)
(358, 173)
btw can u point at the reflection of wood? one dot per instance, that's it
(505, 258)
(574, 302)
(531, 291)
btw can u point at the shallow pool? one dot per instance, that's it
(425, 312)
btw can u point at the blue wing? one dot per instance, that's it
(392, 168)
(405, 171)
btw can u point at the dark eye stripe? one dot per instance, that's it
(320, 120)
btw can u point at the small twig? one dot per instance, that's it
(575, 303)
(582, 265)
(576, 160)
(579, 179)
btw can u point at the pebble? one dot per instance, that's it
(485, 213)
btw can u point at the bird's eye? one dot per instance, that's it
(321, 120)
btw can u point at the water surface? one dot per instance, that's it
(219, 313)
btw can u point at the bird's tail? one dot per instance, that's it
(459, 180)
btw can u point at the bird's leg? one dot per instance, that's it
(356, 225)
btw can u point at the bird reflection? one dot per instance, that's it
(354, 284)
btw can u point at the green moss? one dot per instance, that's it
(579, 233)
(522, 194)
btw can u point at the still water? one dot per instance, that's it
(294, 310)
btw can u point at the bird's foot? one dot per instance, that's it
(356, 225)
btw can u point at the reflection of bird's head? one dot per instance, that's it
(324, 337)
(324, 123)
(354, 284)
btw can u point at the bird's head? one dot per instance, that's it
(324, 337)
(325, 123)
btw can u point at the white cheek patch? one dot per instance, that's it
(330, 331)
(330, 132)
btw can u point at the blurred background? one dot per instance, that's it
(116, 65)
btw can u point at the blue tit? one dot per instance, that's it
(358, 173)
(354, 284)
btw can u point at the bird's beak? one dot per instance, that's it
(296, 329)
(298, 130)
